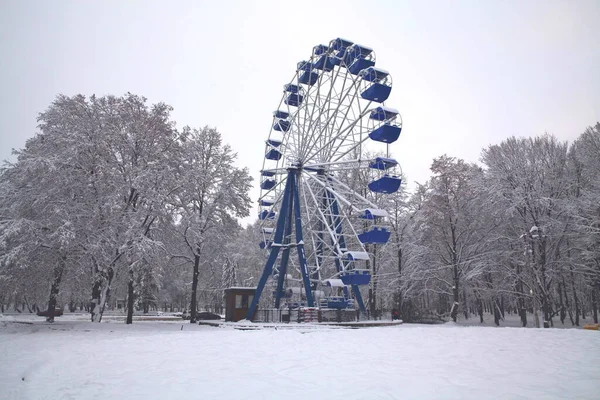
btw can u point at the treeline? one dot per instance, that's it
(110, 201)
(520, 232)
(110, 195)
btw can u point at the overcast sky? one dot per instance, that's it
(466, 74)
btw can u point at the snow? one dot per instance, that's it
(243, 287)
(390, 110)
(357, 255)
(152, 360)
(334, 282)
(377, 212)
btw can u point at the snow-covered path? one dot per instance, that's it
(79, 360)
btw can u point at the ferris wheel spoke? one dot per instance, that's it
(322, 215)
(323, 80)
(342, 133)
(330, 124)
(346, 136)
(311, 131)
(322, 105)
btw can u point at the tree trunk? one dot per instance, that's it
(575, 299)
(594, 305)
(130, 298)
(194, 287)
(373, 286)
(480, 309)
(521, 303)
(465, 309)
(100, 292)
(454, 310)
(496, 313)
(543, 285)
(564, 287)
(106, 292)
(58, 272)
(96, 294)
(27, 304)
(399, 304)
(563, 314)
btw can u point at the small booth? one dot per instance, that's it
(237, 302)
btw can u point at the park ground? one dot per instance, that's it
(164, 358)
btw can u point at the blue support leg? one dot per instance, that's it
(358, 297)
(277, 241)
(300, 245)
(284, 258)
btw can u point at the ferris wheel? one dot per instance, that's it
(330, 112)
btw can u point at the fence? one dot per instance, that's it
(309, 314)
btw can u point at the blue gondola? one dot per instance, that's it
(266, 214)
(294, 99)
(337, 303)
(267, 173)
(356, 277)
(358, 51)
(373, 74)
(341, 44)
(325, 63)
(266, 202)
(305, 66)
(291, 88)
(320, 49)
(268, 184)
(383, 163)
(360, 64)
(282, 125)
(280, 114)
(273, 142)
(387, 184)
(273, 154)
(383, 114)
(377, 92)
(347, 58)
(308, 78)
(337, 60)
(375, 236)
(386, 134)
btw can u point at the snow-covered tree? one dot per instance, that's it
(214, 192)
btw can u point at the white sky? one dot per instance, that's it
(466, 74)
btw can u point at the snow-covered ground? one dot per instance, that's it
(172, 360)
